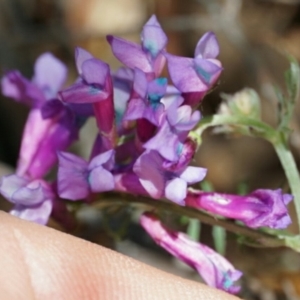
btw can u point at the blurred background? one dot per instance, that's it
(254, 35)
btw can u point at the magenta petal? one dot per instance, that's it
(42, 138)
(34, 133)
(277, 214)
(83, 93)
(81, 56)
(260, 208)
(94, 71)
(130, 54)
(176, 190)
(193, 174)
(154, 40)
(183, 74)
(72, 177)
(39, 213)
(101, 180)
(217, 271)
(214, 269)
(49, 74)
(208, 46)
(52, 108)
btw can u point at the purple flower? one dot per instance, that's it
(50, 126)
(129, 183)
(93, 83)
(15, 86)
(149, 56)
(43, 137)
(187, 152)
(179, 121)
(146, 99)
(260, 208)
(213, 268)
(159, 182)
(49, 76)
(77, 178)
(94, 86)
(194, 77)
(122, 82)
(33, 199)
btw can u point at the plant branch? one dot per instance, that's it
(290, 168)
(275, 137)
(257, 237)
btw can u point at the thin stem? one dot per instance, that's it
(277, 139)
(290, 168)
(218, 120)
(256, 236)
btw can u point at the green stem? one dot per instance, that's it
(218, 120)
(290, 168)
(278, 140)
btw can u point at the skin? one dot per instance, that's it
(37, 262)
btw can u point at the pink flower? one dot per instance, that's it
(260, 208)
(213, 268)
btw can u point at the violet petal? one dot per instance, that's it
(208, 46)
(176, 190)
(72, 177)
(183, 74)
(49, 74)
(154, 40)
(101, 159)
(130, 54)
(193, 174)
(10, 183)
(15, 86)
(83, 93)
(81, 55)
(39, 213)
(101, 180)
(95, 72)
(147, 168)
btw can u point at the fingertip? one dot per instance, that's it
(47, 264)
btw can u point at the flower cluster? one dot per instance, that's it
(143, 146)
